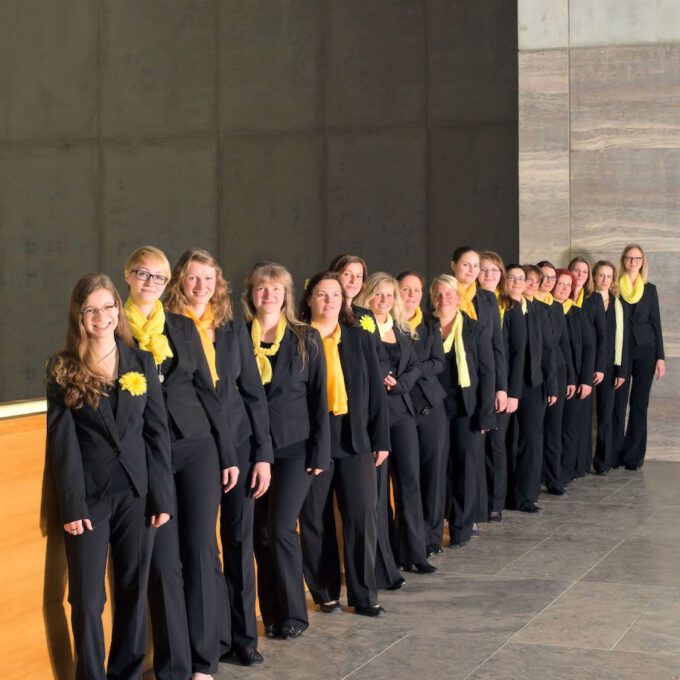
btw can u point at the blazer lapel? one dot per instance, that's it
(284, 356)
(346, 339)
(224, 336)
(106, 414)
(125, 365)
(402, 341)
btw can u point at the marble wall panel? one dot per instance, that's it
(544, 101)
(625, 97)
(162, 193)
(375, 63)
(472, 61)
(608, 22)
(271, 204)
(48, 223)
(48, 69)
(545, 230)
(542, 24)
(158, 67)
(270, 65)
(376, 198)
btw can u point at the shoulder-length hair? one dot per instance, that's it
(346, 315)
(74, 369)
(339, 263)
(494, 257)
(176, 301)
(588, 285)
(644, 270)
(272, 271)
(614, 288)
(560, 271)
(398, 312)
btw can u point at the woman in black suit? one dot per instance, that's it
(109, 451)
(427, 396)
(647, 359)
(198, 290)
(492, 277)
(381, 296)
(203, 463)
(605, 279)
(292, 369)
(469, 382)
(358, 444)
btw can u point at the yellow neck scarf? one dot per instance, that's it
(455, 339)
(148, 331)
(618, 337)
(261, 353)
(384, 327)
(417, 319)
(204, 324)
(579, 300)
(567, 305)
(631, 292)
(545, 298)
(335, 378)
(466, 295)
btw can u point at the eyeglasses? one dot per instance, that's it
(490, 270)
(144, 275)
(633, 258)
(91, 311)
(517, 279)
(550, 278)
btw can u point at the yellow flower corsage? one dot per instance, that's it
(367, 323)
(134, 383)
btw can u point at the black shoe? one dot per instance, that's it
(457, 545)
(375, 610)
(426, 568)
(290, 632)
(529, 507)
(433, 549)
(248, 657)
(273, 630)
(397, 585)
(633, 468)
(495, 517)
(556, 491)
(329, 607)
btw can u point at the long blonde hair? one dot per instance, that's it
(177, 302)
(276, 272)
(398, 312)
(74, 369)
(644, 269)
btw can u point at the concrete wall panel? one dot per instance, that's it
(542, 24)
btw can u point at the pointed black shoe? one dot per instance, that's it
(329, 607)
(375, 610)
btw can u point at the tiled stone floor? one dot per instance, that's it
(588, 589)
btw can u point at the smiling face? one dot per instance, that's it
(445, 300)
(198, 285)
(632, 262)
(532, 283)
(382, 301)
(411, 291)
(603, 278)
(142, 292)
(326, 300)
(99, 315)
(352, 279)
(466, 269)
(268, 296)
(516, 283)
(580, 270)
(489, 275)
(562, 288)
(549, 279)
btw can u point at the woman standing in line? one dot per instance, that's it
(359, 437)
(109, 451)
(198, 290)
(427, 397)
(204, 466)
(492, 278)
(647, 359)
(381, 295)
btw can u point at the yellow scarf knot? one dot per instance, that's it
(148, 331)
(579, 300)
(203, 325)
(631, 292)
(455, 339)
(567, 305)
(335, 378)
(417, 319)
(546, 299)
(466, 303)
(262, 353)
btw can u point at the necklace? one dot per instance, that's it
(107, 355)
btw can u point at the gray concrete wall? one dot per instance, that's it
(599, 149)
(282, 129)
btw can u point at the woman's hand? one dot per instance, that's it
(660, 369)
(380, 457)
(229, 478)
(552, 400)
(501, 402)
(571, 391)
(390, 382)
(159, 520)
(619, 382)
(584, 391)
(314, 471)
(78, 527)
(598, 378)
(512, 405)
(262, 476)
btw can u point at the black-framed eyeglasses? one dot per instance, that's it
(633, 258)
(91, 311)
(519, 279)
(550, 278)
(144, 275)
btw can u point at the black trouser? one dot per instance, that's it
(199, 487)
(121, 522)
(630, 450)
(585, 449)
(606, 392)
(552, 434)
(466, 468)
(530, 415)
(386, 571)
(405, 470)
(433, 437)
(354, 483)
(236, 532)
(495, 446)
(279, 568)
(571, 437)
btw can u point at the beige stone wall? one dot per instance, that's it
(599, 151)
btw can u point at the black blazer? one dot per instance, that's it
(84, 445)
(367, 400)
(408, 370)
(429, 348)
(479, 399)
(610, 317)
(593, 309)
(645, 320)
(241, 390)
(190, 397)
(515, 340)
(583, 347)
(297, 399)
(488, 314)
(560, 335)
(541, 368)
